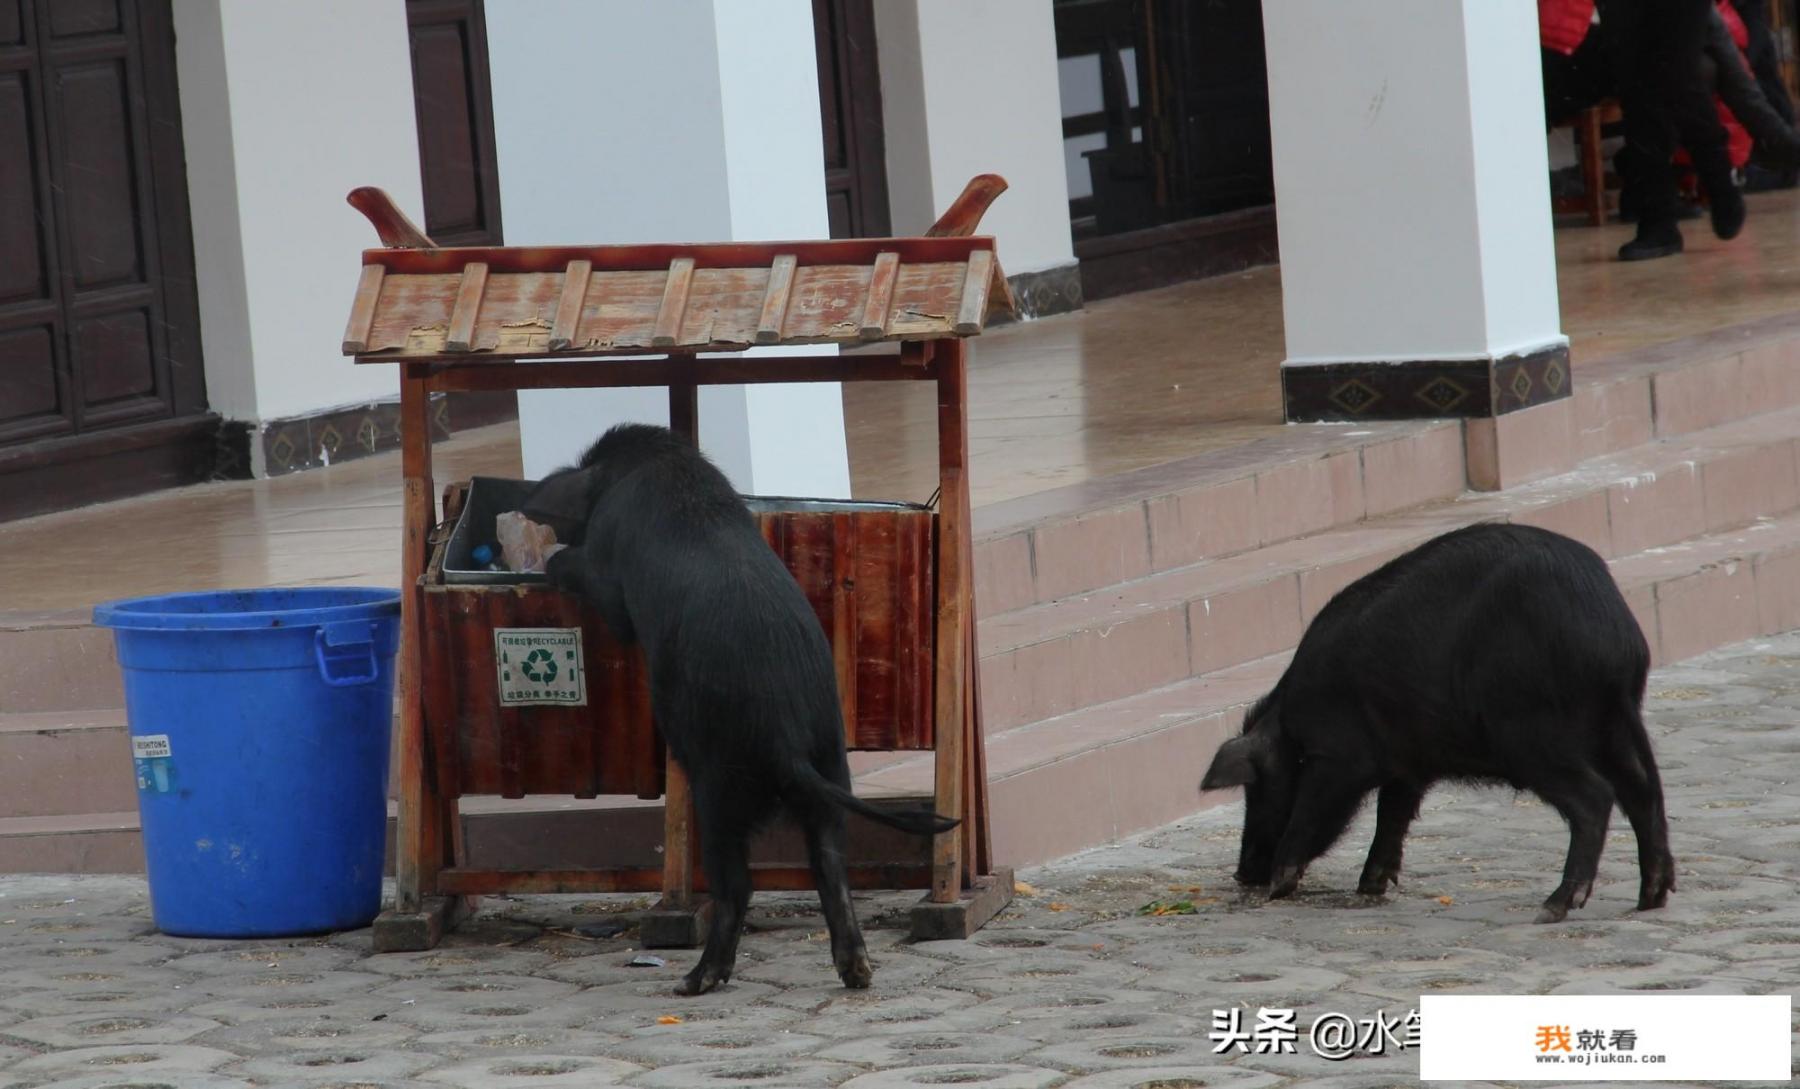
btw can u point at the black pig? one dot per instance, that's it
(741, 676)
(1492, 654)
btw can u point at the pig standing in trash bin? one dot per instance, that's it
(1495, 654)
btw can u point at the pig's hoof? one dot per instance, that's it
(1284, 885)
(699, 981)
(1552, 913)
(1658, 883)
(1377, 884)
(858, 974)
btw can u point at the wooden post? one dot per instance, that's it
(1593, 166)
(953, 614)
(681, 919)
(422, 843)
(965, 891)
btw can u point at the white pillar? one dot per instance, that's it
(1411, 186)
(681, 120)
(286, 108)
(971, 88)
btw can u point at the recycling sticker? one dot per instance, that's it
(540, 666)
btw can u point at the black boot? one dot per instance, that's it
(1727, 205)
(1657, 238)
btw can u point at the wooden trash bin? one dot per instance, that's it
(510, 688)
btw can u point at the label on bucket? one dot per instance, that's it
(540, 666)
(150, 760)
(150, 746)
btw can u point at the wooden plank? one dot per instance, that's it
(972, 311)
(568, 308)
(468, 304)
(656, 257)
(674, 303)
(726, 371)
(775, 299)
(985, 897)
(417, 931)
(621, 310)
(881, 296)
(470, 881)
(362, 311)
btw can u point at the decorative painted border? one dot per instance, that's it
(1041, 294)
(1427, 389)
(307, 442)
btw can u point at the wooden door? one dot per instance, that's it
(102, 390)
(458, 168)
(1211, 62)
(454, 105)
(850, 113)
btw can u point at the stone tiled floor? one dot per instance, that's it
(1127, 383)
(1069, 988)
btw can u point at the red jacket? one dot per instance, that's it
(1737, 139)
(1562, 24)
(1738, 144)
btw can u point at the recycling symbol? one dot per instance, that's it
(539, 666)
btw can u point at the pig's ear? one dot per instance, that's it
(1236, 762)
(563, 499)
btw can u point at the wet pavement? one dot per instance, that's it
(1073, 987)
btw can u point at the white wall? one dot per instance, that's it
(701, 124)
(1410, 179)
(971, 88)
(1512, 175)
(285, 109)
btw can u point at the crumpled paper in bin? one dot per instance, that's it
(525, 546)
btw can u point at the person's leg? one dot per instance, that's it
(1775, 138)
(1562, 92)
(1765, 56)
(1677, 41)
(1645, 168)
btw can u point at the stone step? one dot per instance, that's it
(1083, 537)
(1071, 781)
(1157, 629)
(56, 661)
(59, 763)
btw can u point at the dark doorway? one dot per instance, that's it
(850, 111)
(102, 389)
(1166, 129)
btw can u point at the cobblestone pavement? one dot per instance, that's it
(1070, 988)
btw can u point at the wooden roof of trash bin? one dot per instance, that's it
(417, 301)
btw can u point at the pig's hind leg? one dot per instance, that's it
(1585, 801)
(1631, 768)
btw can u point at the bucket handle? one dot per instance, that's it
(346, 654)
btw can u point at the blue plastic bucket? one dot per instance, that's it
(259, 727)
